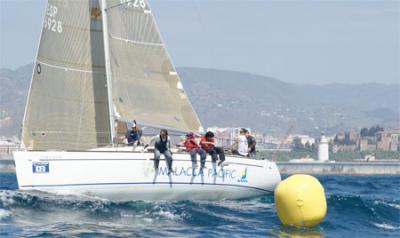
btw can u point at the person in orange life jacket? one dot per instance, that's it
(193, 148)
(162, 145)
(207, 143)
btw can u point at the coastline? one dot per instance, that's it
(340, 168)
(7, 164)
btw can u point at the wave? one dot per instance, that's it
(351, 208)
(4, 214)
(386, 226)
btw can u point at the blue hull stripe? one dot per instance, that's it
(250, 165)
(143, 183)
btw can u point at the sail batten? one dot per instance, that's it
(72, 69)
(138, 42)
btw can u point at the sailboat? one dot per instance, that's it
(100, 65)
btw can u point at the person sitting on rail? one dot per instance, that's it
(162, 145)
(207, 143)
(193, 148)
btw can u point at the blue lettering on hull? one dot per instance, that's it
(189, 172)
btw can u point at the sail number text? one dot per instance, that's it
(134, 3)
(50, 22)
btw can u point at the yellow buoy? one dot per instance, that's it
(300, 201)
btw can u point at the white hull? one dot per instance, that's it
(123, 176)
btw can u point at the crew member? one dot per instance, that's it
(193, 148)
(133, 136)
(251, 144)
(162, 145)
(207, 143)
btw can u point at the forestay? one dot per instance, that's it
(67, 105)
(145, 84)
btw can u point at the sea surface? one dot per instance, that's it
(357, 207)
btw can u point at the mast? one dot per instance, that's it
(108, 69)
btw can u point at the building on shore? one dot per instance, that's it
(323, 149)
(388, 140)
(7, 147)
(363, 144)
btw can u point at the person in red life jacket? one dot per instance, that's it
(207, 143)
(193, 148)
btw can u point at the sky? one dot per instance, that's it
(296, 41)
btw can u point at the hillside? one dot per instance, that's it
(227, 98)
(233, 99)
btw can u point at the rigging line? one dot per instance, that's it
(126, 3)
(120, 4)
(69, 69)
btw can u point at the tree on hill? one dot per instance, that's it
(375, 129)
(364, 132)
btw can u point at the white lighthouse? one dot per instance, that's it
(323, 149)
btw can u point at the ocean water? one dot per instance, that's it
(357, 207)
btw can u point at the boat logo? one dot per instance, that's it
(40, 167)
(243, 178)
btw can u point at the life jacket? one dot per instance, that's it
(133, 136)
(191, 144)
(204, 146)
(161, 145)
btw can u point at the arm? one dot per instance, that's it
(152, 141)
(207, 142)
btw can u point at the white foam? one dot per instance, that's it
(149, 220)
(4, 214)
(123, 214)
(6, 197)
(169, 215)
(386, 226)
(253, 205)
(397, 206)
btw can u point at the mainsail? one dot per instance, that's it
(67, 106)
(145, 84)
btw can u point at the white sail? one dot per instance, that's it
(67, 106)
(145, 84)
